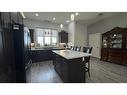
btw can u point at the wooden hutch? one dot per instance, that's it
(114, 46)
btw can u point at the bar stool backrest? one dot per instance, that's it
(87, 49)
(78, 49)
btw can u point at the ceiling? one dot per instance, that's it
(62, 17)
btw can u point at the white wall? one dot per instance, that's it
(77, 34)
(32, 24)
(107, 24)
(80, 35)
(95, 42)
(71, 32)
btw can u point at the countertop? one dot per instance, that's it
(70, 54)
(55, 48)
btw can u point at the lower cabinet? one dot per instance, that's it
(65, 71)
(61, 68)
(125, 57)
(58, 67)
(118, 56)
(115, 56)
(41, 55)
(70, 71)
(104, 54)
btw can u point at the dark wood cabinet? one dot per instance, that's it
(32, 35)
(2, 63)
(114, 46)
(65, 70)
(63, 37)
(14, 17)
(5, 20)
(104, 54)
(125, 57)
(8, 46)
(6, 49)
(58, 66)
(61, 68)
(41, 55)
(115, 56)
(19, 18)
(8, 69)
(125, 46)
(70, 71)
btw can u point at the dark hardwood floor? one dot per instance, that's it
(101, 72)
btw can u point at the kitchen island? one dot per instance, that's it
(70, 65)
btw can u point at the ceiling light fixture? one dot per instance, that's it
(54, 18)
(61, 25)
(72, 17)
(36, 14)
(76, 14)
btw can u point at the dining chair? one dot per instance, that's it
(87, 60)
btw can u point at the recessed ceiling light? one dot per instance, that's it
(67, 21)
(36, 14)
(61, 25)
(72, 16)
(76, 14)
(54, 18)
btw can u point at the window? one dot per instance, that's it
(40, 41)
(54, 40)
(46, 37)
(47, 40)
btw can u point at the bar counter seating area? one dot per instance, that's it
(70, 65)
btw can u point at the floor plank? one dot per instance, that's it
(101, 72)
(105, 72)
(42, 72)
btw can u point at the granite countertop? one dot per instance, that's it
(69, 54)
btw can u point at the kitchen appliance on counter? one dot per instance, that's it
(62, 45)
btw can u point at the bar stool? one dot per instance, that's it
(78, 49)
(74, 48)
(87, 50)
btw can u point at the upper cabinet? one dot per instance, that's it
(7, 58)
(104, 41)
(116, 40)
(20, 19)
(63, 37)
(16, 18)
(113, 39)
(32, 35)
(5, 20)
